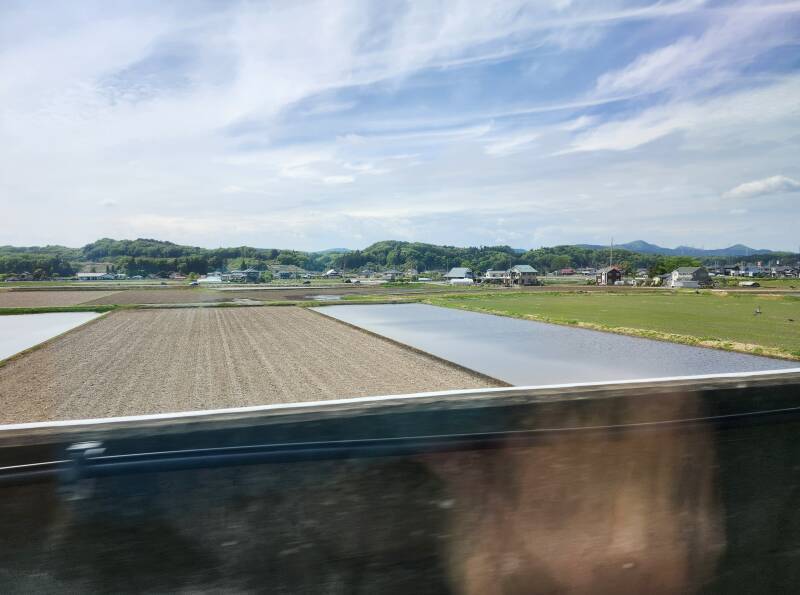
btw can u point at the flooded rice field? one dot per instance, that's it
(19, 332)
(523, 352)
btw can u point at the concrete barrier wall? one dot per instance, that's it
(671, 486)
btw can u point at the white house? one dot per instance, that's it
(95, 276)
(459, 273)
(391, 275)
(753, 271)
(494, 276)
(211, 278)
(689, 277)
(287, 271)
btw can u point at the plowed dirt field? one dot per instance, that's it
(156, 361)
(38, 299)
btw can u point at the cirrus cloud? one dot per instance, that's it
(318, 124)
(763, 187)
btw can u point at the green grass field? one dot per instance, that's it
(729, 282)
(724, 321)
(566, 280)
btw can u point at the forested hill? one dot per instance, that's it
(148, 256)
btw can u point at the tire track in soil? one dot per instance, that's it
(308, 374)
(132, 379)
(272, 378)
(307, 334)
(315, 340)
(235, 389)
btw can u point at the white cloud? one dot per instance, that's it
(511, 144)
(766, 186)
(579, 123)
(329, 107)
(367, 168)
(281, 116)
(738, 117)
(705, 60)
(337, 180)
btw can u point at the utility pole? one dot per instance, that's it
(611, 255)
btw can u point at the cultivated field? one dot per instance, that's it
(39, 299)
(719, 319)
(203, 295)
(161, 296)
(189, 295)
(269, 293)
(150, 361)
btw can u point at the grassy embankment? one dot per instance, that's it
(722, 321)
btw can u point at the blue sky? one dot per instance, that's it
(319, 124)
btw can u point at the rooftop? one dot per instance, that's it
(459, 272)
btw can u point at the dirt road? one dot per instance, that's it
(152, 361)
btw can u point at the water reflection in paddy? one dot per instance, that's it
(524, 352)
(22, 331)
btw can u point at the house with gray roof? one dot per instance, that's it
(523, 274)
(287, 271)
(459, 273)
(690, 277)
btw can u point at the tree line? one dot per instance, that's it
(418, 256)
(149, 256)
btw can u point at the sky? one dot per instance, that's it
(313, 125)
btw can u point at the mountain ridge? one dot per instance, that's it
(643, 247)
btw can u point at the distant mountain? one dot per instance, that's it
(643, 247)
(519, 250)
(735, 250)
(334, 251)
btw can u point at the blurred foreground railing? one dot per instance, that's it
(686, 484)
